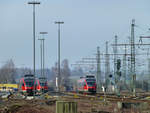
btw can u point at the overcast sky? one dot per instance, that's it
(87, 24)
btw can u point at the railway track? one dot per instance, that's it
(99, 101)
(97, 97)
(108, 97)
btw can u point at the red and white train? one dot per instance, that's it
(27, 84)
(42, 85)
(87, 84)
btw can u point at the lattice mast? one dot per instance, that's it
(125, 64)
(98, 78)
(115, 57)
(132, 42)
(107, 66)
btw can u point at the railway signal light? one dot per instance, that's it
(118, 64)
(110, 76)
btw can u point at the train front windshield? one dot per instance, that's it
(29, 83)
(91, 82)
(43, 84)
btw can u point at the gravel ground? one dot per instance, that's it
(48, 106)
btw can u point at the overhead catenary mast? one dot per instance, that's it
(98, 70)
(115, 57)
(107, 66)
(133, 74)
(125, 64)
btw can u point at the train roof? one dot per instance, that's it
(29, 75)
(88, 76)
(29, 80)
(42, 78)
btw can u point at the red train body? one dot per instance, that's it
(87, 84)
(42, 85)
(28, 84)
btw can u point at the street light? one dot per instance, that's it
(34, 3)
(58, 76)
(41, 57)
(42, 44)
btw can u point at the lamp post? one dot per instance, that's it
(58, 76)
(34, 3)
(43, 33)
(41, 53)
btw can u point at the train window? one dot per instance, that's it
(29, 84)
(43, 84)
(90, 83)
(23, 84)
(90, 80)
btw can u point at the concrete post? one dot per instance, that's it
(66, 107)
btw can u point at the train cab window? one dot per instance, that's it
(43, 84)
(23, 84)
(90, 83)
(29, 84)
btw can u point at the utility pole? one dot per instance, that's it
(98, 78)
(42, 57)
(58, 77)
(41, 54)
(43, 33)
(107, 66)
(115, 57)
(129, 69)
(34, 3)
(115, 65)
(124, 64)
(133, 74)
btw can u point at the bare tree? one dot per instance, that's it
(54, 73)
(63, 79)
(23, 71)
(65, 73)
(8, 72)
(77, 71)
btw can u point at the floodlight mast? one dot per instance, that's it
(41, 54)
(43, 33)
(34, 3)
(58, 75)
